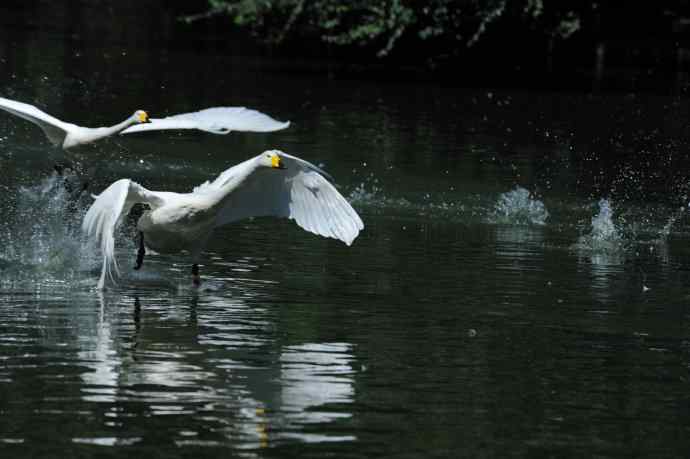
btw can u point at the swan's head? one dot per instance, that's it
(140, 116)
(272, 159)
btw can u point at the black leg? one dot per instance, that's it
(141, 252)
(196, 280)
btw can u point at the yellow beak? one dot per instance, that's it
(275, 162)
(143, 117)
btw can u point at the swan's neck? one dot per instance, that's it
(240, 175)
(79, 135)
(119, 127)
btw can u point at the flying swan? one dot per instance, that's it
(270, 184)
(218, 120)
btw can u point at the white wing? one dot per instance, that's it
(53, 128)
(299, 192)
(106, 213)
(217, 120)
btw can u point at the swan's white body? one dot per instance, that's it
(218, 120)
(67, 135)
(271, 184)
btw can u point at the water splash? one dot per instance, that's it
(367, 191)
(42, 242)
(370, 193)
(604, 236)
(603, 228)
(519, 207)
(666, 230)
(450, 205)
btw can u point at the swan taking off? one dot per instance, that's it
(218, 120)
(271, 184)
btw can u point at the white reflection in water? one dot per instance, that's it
(102, 378)
(314, 375)
(235, 324)
(602, 267)
(518, 249)
(601, 251)
(316, 379)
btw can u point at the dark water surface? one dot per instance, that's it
(492, 307)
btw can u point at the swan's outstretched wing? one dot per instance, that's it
(217, 120)
(53, 128)
(106, 213)
(299, 192)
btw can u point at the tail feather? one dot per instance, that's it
(105, 215)
(100, 222)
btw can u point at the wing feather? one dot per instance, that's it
(300, 193)
(106, 214)
(310, 220)
(53, 128)
(217, 120)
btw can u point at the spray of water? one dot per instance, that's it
(604, 236)
(666, 230)
(370, 193)
(42, 243)
(519, 207)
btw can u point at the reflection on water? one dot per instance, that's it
(198, 362)
(602, 251)
(516, 243)
(314, 375)
(602, 268)
(102, 362)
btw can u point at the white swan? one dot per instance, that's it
(67, 135)
(218, 120)
(270, 184)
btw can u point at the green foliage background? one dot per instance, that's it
(441, 28)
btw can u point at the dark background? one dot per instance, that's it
(627, 46)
